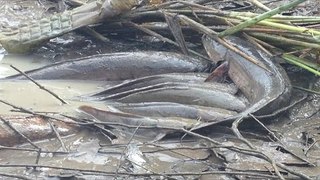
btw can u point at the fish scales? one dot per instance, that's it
(134, 120)
(167, 109)
(187, 95)
(265, 91)
(153, 82)
(118, 66)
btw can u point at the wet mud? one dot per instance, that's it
(92, 150)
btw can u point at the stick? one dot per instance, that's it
(97, 172)
(32, 150)
(54, 129)
(260, 5)
(40, 86)
(160, 37)
(120, 163)
(250, 152)
(279, 141)
(15, 176)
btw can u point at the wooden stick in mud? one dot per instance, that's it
(272, 134)
(120, 163)
(104, 173)
(39, 85)
(250, 152)
(33, 150)
(15, 176)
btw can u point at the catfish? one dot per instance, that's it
(118, 66)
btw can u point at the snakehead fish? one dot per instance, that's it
(187, 95)
(32, 34)
(265, 91)
(167, 109)
(226, 88)
(162, 80)
(118, 66)
(136, 120)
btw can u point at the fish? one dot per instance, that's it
(105, 115)
(34, 127)
(118, 66)
(155, 81)
(209, 86)
(187, 95)
(265, 91)
(168, 109)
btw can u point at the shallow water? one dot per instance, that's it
(85, 145)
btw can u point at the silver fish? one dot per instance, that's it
(187, 95)
(265, 91)
(164, 80)
(119, 66)
(135, 120)
(209, 86)
(167, 109)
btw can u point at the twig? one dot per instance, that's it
(164, 39)
(31, 150)
(250, 152)
(38, 157)
(126, 148)
(273, 114)
(260, 5)
(236, 131)
(40, 86)
(14, 176)
(57, 134)
(175, 28)
(95, 34)
(307, 90)
(279, 141)
(308, 149)
(172, 150)
(178, 148)
(256, 43)
(97, 172)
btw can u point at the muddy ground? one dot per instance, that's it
(92, 155)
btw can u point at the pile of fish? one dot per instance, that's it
(168, 91)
